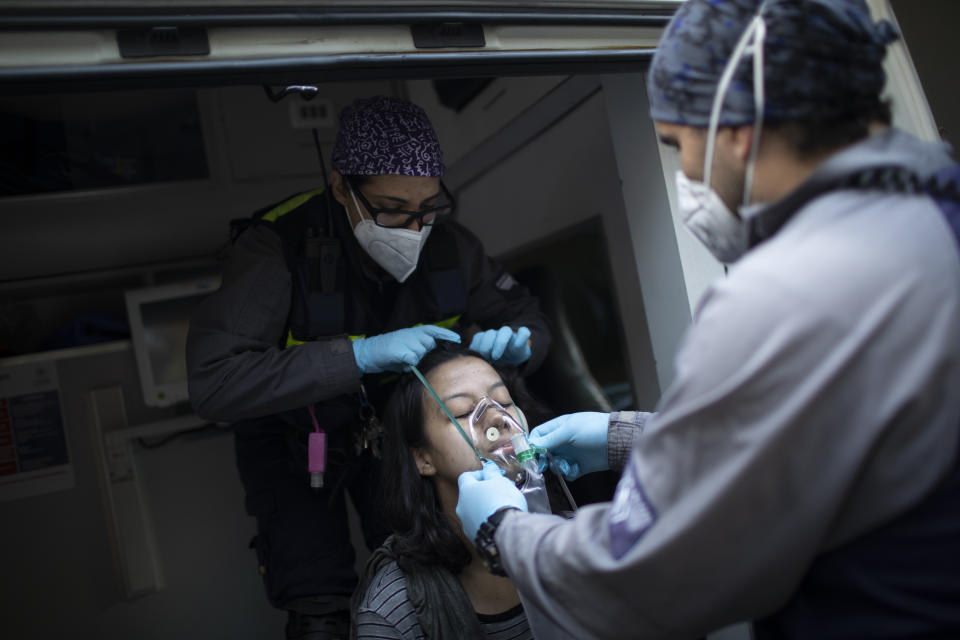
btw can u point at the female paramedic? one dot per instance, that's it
(323, 300)
(802, 468)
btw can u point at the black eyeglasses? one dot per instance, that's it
(398, 218)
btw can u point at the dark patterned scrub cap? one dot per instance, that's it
(823, 60)
(386, 135)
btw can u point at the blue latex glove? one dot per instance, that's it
(483, 493)
(503, 345)
(577, 442)
(397, 350)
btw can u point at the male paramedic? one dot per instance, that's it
(801, 470)
(323, 300)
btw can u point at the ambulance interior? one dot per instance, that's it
(122, 510)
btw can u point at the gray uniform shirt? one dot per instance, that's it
(815, 399)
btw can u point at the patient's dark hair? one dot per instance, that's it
(422, 534)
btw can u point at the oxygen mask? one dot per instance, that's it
(499, 437)
(493, 429)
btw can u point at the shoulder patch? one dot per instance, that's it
(631, 513)
(506, 282)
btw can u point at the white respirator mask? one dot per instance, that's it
(701, 208)
(397, 251)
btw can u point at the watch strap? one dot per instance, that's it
(486, 543)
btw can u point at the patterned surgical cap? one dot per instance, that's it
(385, 135)
(823, 59)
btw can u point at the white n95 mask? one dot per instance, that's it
(709, 219)
(396, 250)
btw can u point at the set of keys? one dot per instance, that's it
(368, 438)
(371, 433)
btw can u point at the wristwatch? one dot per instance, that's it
(486, 543)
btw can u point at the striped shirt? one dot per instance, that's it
(386, 613)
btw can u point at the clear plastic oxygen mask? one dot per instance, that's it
(497, 436)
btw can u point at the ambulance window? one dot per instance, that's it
(67, 142)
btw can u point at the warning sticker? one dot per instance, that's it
(34, 456)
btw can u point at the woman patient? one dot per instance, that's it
(427, 579)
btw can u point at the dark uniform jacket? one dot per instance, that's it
(242, 360)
